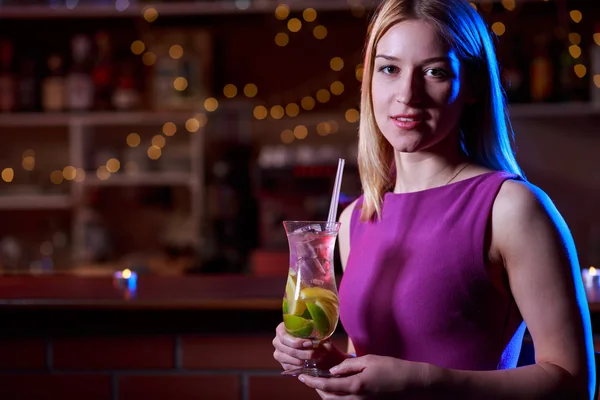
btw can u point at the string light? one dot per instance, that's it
(323, 96)
(510, 5)
(294, 25)
(102, 173)
(28, 163)
(292, 110)
(357, 10)
(576, 16)
(499, 28)
(575, 51)
(358, 72)
(320, 32)
(192, 125)
(158, 141)
(282, 39)
(202, 119)
(597, 38)
(574, 38)
(323, 129)
(150, 14)
(580, 70)
(352, 115)
(308, 103)
(211, 104)
(250, 90)
(230, 91)
(176, 52)
(337, 88)
(169, 129)
(149, 58)
(113, 165)
(300, 132)
(8, 175)
(473, 5)
(309, 15)
(138, 47)
(282, 12)
(56, 177)
(260, 112)
(69, 172)
(597, 80)
(154, 152)
(180, 83)
(287, 136)
(336, 64)
(277, 112)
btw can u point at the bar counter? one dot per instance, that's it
(209, 337)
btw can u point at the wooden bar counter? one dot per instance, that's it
(204, 336)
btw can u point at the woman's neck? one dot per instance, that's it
(421, 171)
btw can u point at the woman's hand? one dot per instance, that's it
(291, 351)
(372, 377)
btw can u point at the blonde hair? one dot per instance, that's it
(486, 135)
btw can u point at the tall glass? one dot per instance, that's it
(310, 303)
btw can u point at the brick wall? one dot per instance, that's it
(177, 367)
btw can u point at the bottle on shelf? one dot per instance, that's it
(102, 74)
(27, 85)
(53, 86)
(541, 71)
(80, 88)
(126, 95)
(7, 78)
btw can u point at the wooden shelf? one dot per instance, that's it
(544, 110)
(554, 110)
(34, 202)
(116, 118)
(143, 179)
(174, 9)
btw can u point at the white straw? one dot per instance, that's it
(335, 196)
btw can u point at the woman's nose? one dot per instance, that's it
(409, 88)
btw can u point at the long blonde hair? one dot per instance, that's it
(486, 134)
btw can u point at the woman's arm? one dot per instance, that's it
(344, 246)
(536, 247)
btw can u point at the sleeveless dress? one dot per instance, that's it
(416, 286)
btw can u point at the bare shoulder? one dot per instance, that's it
(519, 201)
(524, 216)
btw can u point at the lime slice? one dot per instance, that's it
(295, 306)
(284, 306)
(317, 293)
(324, 314)
(298, 326)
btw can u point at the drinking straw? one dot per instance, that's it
(335, 196)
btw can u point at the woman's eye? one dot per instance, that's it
(436, 73)
(388, 69)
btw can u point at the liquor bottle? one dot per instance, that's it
(27, 85)
(541, 72)
(126, 95)
(7, 78)
(102, 74)
(53, 86)
(80, 88)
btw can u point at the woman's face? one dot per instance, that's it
(417, 89)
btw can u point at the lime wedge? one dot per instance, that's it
(284, 306)
(324, 315)
(298, 326)
(295, 306)
(317, 293)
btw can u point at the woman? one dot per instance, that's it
(450, 253)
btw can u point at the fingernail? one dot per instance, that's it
(307, 345)
(301, 378)
(334, 370)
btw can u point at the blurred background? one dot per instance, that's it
(173, 137)
(168, 140)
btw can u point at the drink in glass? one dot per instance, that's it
(310, 303)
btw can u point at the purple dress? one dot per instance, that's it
(416, 285)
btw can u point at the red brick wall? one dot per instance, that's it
(145, 368)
